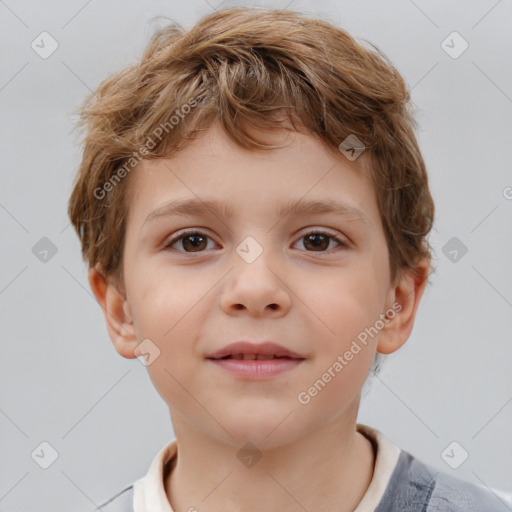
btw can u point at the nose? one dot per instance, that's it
(257, 288)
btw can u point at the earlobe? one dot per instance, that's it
(407, 295)
(117, 315)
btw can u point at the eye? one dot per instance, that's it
(320, 240)
(192, 239)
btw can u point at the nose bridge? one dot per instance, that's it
(256, 260)
(255, 283)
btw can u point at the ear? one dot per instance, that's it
(404, 299)
(117, 314)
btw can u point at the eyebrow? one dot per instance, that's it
(294, 207)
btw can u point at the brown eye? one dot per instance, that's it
(318, 241)
(192, 241)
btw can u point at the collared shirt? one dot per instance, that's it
(400, 483)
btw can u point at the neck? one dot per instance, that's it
(329, 469)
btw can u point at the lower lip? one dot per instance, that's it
(256, 369)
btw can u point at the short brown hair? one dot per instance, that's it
(246, 67)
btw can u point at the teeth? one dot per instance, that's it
(252, 357)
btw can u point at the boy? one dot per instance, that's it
(254, 207)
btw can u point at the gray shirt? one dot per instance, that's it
(415, 486)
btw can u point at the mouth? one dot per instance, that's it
(253, 357)
(250, 361)
(246, 350)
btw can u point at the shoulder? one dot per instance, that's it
(120, 502)
(416, 486)
(456, 495)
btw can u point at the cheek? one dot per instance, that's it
(170, 306)
(168, 314)
(162, 299)
(344, 307)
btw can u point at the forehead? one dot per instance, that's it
(219, 173)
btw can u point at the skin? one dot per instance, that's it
(314, 302)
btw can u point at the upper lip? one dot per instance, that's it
(267, 348)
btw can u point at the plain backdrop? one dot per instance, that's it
(62, 382)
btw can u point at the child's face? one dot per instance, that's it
(308, 294)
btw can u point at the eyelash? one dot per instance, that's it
(184, 234)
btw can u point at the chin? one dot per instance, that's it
(266, 431)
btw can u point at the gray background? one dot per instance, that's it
(62, 381)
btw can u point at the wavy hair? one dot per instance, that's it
(244, 68)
